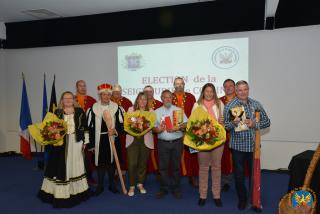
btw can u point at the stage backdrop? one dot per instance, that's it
(283, 75)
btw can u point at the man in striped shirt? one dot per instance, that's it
(242, 142)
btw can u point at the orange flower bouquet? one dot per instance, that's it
(138, 123)
(203, 132)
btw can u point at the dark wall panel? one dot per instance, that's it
(294, 13)
(218, 16)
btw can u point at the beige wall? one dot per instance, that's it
(3, 130)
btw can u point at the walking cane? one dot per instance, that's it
(108, 120)
(256, 188)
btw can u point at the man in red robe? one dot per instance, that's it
(185, 100)
(85, 101)
(125, 103)
(153, 164)
(226, 160)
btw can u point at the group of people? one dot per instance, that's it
(92, 125)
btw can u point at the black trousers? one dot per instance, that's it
(101, 171)
(169, 152)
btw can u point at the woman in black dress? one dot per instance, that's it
(65, 183)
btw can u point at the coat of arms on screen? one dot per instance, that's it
(133, 61)
(225, 57)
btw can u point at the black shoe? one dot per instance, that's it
(161, 194)
(242, 205)
(177, 194)
(201, 202)
(218, 202)
(257, 209)
(225, 188)
(113, 189)
(99, 190)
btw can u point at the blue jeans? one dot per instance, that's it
(239, 159)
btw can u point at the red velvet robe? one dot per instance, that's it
(226, 160)
(189, 162)
(125, 103)
(153, 162)
(88, 102)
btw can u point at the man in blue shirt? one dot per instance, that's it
(242, 142)
(170, 145)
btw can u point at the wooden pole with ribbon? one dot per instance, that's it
(256, 188)
(108, 120)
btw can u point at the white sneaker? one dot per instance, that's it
(131, 191)
(141, 189)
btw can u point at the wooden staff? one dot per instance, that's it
(256, 191)
(108, 120)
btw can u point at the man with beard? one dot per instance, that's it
(170, 146)
(185, 100)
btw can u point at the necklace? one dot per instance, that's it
(84, 101)
(175, 100)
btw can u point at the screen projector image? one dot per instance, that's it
(197, 62)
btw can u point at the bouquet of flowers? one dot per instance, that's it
(203, 132)
(50, 132)
(138, 123)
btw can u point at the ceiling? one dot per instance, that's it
(12, 10)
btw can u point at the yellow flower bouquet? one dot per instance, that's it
(50, 132)
(138, 123)
(203, 132)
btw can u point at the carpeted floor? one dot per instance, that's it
(19, 184)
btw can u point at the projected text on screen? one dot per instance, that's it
(198, 62)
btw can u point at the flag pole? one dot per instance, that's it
(44, 110)
(35, 145)
(25, 120)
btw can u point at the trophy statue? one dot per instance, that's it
(238, 112)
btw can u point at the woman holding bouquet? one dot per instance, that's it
(210, 102)
(138, 149)
(65, 183)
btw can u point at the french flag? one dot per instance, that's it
(25, 120)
